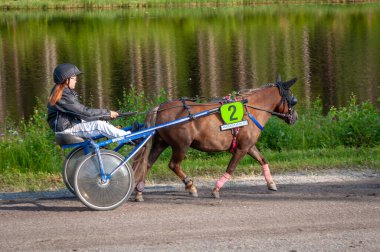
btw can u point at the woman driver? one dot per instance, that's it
(67, 115)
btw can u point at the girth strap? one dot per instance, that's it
(235, 132)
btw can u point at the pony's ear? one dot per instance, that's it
(289, 83)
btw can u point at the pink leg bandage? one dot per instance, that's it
(266, 172)
(219, 184)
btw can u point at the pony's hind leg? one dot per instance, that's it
(158, 147)
(255, 153)
(178, 155)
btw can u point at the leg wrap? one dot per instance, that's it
(266, 172)
(219, 184)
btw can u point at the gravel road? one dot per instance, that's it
(320, 211)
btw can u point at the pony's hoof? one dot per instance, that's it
(215, 193)
(193, 191)
(272, 186)
(139, 197)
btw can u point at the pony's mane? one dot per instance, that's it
(254, 90)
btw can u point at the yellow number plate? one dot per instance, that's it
(232, 112)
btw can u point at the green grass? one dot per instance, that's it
(16, 181)
(198, 165)
(348, 137)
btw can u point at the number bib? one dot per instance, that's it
(232, 115)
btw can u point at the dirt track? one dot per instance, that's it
(306, 214)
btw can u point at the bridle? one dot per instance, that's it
(286, 97)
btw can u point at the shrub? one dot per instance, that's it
(30, 146)
(357, 125)
(351, 126)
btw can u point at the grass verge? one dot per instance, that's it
(198, 165)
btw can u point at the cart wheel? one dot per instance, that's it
(70, 165)
(114, 192)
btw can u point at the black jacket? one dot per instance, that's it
(68, 111)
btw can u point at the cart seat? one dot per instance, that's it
(62, 139)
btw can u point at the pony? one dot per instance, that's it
(205, 134)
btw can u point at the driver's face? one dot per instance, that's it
(72, 82)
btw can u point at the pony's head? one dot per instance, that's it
(286, 105)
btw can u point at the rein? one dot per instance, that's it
(189, 105)
(269, 111)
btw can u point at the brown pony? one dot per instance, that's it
(204, 134)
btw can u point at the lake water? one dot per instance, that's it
(334, 50)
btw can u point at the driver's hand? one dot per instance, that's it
(114, 114)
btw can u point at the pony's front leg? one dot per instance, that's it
(237, 156)
(255, 153)
(219, 184)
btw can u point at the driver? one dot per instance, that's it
(68, 116)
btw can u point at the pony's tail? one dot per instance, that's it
(140, 162)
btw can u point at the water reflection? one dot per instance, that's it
(334, 50)
(306, 62)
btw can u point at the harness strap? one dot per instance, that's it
(227, 99)
(235, 132)
(187, 107)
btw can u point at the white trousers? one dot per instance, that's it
(95, 128)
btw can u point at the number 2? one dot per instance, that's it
(233, 108)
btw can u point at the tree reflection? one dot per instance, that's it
(207, 52)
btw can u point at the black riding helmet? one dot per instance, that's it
(65, 71)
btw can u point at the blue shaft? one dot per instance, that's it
(133, 152)
(146, 132)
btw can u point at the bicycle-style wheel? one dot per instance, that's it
(103, 196)
(71, 163)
